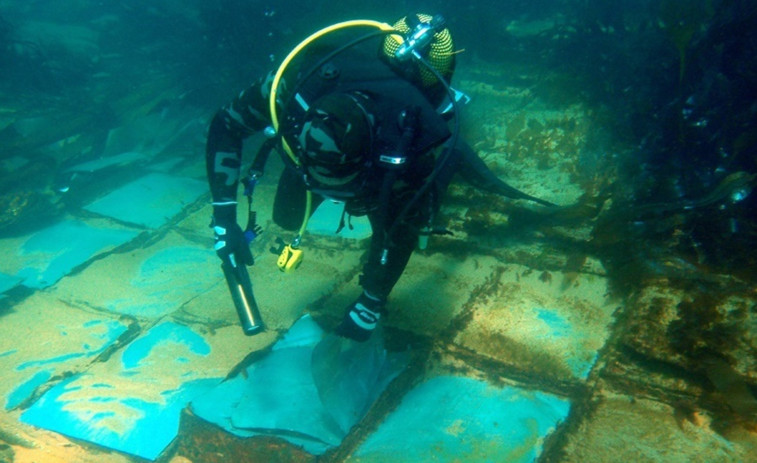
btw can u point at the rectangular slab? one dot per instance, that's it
(146, 283)
(452, 418)
(531, 320)
(433, 290)
(43, 338)
(132, 402)
(625, 428)
(150, 201)
(46, 256)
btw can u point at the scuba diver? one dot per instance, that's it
(361, 114)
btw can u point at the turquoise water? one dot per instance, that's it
(619, 323)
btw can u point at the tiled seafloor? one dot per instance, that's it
(119, 343)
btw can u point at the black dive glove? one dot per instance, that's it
(361, 318)
(229, 237)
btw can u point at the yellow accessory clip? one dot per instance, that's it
(289, 259)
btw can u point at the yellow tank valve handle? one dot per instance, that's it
(289, 259)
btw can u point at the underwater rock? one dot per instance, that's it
(26, 210)
(681, 328)
(530, 28)
(627, 428)
(683, 240)
(72, 45)
(692, 344)
(732, 386)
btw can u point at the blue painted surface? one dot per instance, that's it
(131, 425)
(171, 264)
(24, 390)
(450, 418)
(138, 352)
(110, 330)
(8, 282)
(98, 335)
(560, 326)
(151, 200)
(53, 252)
(165, 280)
(49, 361)
(109, 414)
(581, 367)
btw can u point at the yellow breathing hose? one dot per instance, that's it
(297, 50)
(277, 81)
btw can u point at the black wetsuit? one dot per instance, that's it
(357, 69)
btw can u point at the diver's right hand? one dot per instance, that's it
(230, 240)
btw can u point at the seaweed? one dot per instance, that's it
(711, 333)
(681, 19)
